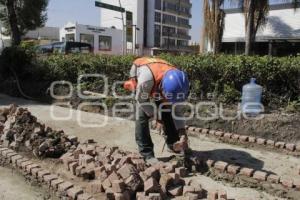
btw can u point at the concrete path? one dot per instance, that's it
(120, 132)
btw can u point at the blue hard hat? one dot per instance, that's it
(175, 86)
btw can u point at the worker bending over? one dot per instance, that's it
(158, 86)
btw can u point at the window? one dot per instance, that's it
(169, 18)
(104, 43)
(85, 38)
(158, 4)
(157, 17)
(70, 37)
(157, 31)
(183, 43)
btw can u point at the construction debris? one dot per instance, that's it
(20, 130)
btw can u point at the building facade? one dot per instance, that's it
(151, 25)
(279, 37)
(103, 40)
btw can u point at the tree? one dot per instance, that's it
(256, 12)
(213, 24)
(21, 16)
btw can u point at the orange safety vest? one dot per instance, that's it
(158, 67)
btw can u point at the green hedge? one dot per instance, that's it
(221, 75)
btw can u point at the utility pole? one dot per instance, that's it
(124, 39)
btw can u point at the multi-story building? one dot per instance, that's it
(280, 35)
(151, 25)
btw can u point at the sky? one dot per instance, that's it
(84, 12)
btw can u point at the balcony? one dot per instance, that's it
(184, 36)
(168, 22)
(166, 34)
(177, 12)
(186, 3)
(184, 25)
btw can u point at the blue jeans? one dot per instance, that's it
(142, 132)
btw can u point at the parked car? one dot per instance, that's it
(65, 48)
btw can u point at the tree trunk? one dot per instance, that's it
(250, 39)
(15, 31)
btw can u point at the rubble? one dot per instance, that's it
(20, 130)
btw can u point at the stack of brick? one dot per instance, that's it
(20, 130)
(125, 175)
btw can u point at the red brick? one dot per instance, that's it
(181, 171)
(228, 135)
(235, 136)
(72, 167)
(140, 196)
(210, 163)
(246, 171)
(34, 171)
(252, 139)
(152, 172)
(64, 186)
(191, 128)
(15, 158)
(134, 182)
(11, 154)
(84, 160)
(5, 152)
(95, 187)
(211, 132)
(74, 192)
(233, 169)
(261, 141)
(271, 143)
(176, 191)
(126, 170)
(49, 178)
(25, 164)
(66, 159)
(287, 182)
(290, 147)
(20, 161)
(198, 130)
(260, 175)
(212, 195)
(272, 178)
(205, 131)
(30, 167)
(221, 166)
(280, 145)
(167, 168)
(106, 184)
(118, 186)
(84, 196)
(41, 174)
(113, 177)
(219, 133)
(244, 138)
(121, 196)
(54, 183)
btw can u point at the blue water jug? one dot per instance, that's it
(251, 98)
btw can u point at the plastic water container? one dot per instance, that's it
(251, 98)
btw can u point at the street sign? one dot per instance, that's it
(110, 7)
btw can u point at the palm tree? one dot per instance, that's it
(213, 24)
(256, 12)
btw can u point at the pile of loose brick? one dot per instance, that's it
(235, 138)
(124, 175)
(19, 130)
